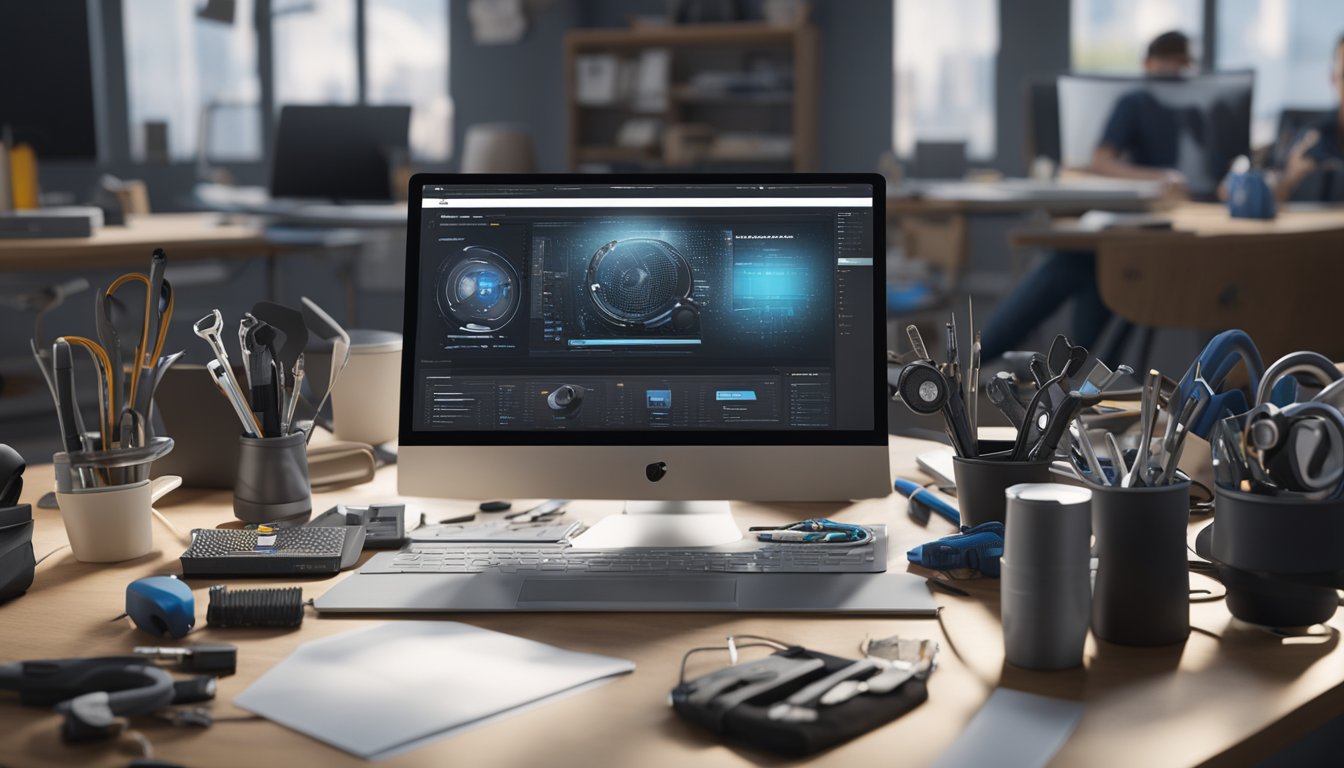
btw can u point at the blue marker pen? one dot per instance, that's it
(916, 492)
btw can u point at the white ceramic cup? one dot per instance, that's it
(107, 525)
(365, 398)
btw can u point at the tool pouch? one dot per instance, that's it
(16, 551)
(735, 703)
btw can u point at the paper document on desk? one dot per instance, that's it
(376, 691)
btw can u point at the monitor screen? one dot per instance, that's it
(47, 87)
(342, 153)
(644, 310)
(1206, 118)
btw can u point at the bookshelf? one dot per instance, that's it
(713, 97)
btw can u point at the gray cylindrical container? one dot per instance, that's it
(272, 484)
(1142, 594)
(1045, 586)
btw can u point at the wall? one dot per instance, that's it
(520, 83)
(1033, 43)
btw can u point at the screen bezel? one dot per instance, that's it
(875, 435)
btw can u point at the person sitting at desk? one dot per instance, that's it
(1314, 167)
(1141, 140)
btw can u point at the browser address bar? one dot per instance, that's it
(648, 202)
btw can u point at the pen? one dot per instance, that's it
(943, 586)
(806, 537)
(973, 389)
(921, 495)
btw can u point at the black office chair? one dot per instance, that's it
(1292, 122)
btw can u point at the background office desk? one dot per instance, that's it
(1278, 280)
(959, 227)
(185, 236)
(1228, 701)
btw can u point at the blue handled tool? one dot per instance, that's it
(918, 494)
(977, 549)
(1205, 379)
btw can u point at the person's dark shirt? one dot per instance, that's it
(1326, 183)
(1143, 131)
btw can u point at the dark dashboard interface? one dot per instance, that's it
(676, 307)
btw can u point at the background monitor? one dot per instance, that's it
(46, 79)
(1213, 110)
(345, 153)
(645, 337)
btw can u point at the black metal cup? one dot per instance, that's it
(982, 481)
(272, 484)
(1142, 591)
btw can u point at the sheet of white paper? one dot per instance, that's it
(1014, 728)
(413, 680)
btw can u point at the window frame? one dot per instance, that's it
(117, 92)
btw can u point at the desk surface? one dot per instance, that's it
(1187, 220)
(1056, 196)
(185, 236)
(1228, 688)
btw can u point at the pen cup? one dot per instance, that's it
(272, 483)
(1142, 591)
(364, 401)
(982, 481)
(1280, 556)
(113, 523)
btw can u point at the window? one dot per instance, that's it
(189, 70)
(408, 64)
(1290, 45)
(315, 57)
(944, 73)
(1113, 35)
(192, 70)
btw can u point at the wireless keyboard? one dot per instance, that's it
(288, 551)
(424, 557)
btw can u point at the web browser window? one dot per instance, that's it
(645, 308)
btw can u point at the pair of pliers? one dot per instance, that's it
(1206, 377)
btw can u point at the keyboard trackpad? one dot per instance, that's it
(657, 592)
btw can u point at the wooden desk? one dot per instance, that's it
(934, 216)
(1230, 695)
(1277, 280)
(185, 236)
(1187, 220)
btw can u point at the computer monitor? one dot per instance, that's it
(668, 340)
(47, 92)
(342, 153)
(1211, 113)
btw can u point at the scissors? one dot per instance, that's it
(1206, 377)
(1043, 419)
(153, 331)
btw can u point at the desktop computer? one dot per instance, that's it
(341, 153)
(645, 338)
(670, 341)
